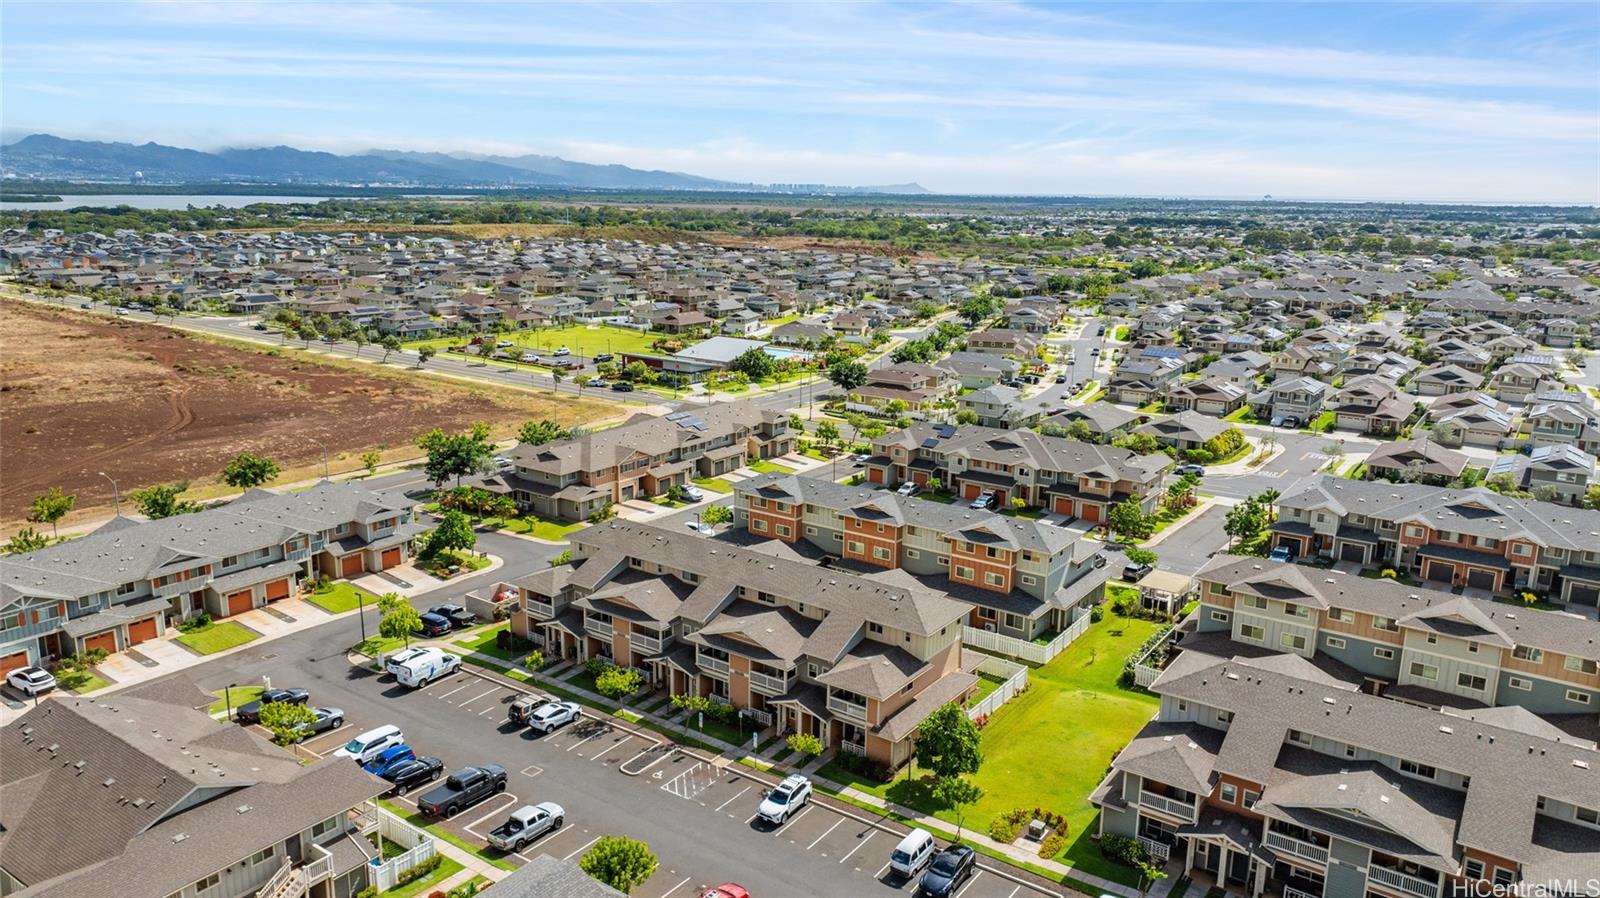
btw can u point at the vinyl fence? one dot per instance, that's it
(1022, 649)
(1016, 680)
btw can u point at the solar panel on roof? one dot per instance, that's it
(929, 443)
(677, 415)
(944, 430)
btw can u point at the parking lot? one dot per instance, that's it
(697, 812)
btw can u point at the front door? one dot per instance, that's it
(1238, 867)
(1208, 857)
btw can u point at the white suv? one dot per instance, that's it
(785, 799)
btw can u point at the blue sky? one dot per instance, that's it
(1428, 101)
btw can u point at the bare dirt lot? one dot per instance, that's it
(81, 394)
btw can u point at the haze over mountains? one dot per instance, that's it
(47, 157)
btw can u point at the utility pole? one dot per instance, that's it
(116, 493)
(324, 455)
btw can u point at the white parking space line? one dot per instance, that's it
(674, 888)
(535, 768)
(595, 735)
(858, 846)
(580, 848)
(790, 822)
(735, 798)
(453, 691)
(486, 710)
(480, 695)
(825, 834)
(879, 874)
(625, 740)
(1014, 892)
(497, 811)
(968, 884)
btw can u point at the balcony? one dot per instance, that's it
(712, 665)
(767, 684)
(847, 709)
(540, 608)
(1181, 809)
(1298, 893)
(179, 587)
(297, 555)
(853, 748)
(645, 641)
(598, 628)
(1298, 847)
(1402, 882)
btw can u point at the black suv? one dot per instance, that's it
(250, 712)
(459, 617)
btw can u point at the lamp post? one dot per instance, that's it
(116, 492)
(227, 698)
(324, 454)
(361, 612)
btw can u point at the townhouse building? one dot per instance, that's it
(1471, 538)
(1063, 476)
(856, 661)
(1266, 778)
(1372, 404)
(643, 457)
(129, 580)
(1016, 344)
(141, 794)
(919, 387)
(1297, 398)
(1000, 406)
(1215, 396)
(1022, 578)
(1557, 473)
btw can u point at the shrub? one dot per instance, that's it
(1123, 850)
(368, 892)
(1053, 843)
(805, 744)
(1096, 614)
(1389, 573)
(596, 666)
(198, 622)
(420, 870)
(1003, 830)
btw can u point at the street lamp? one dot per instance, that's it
(227, 698)
(116, 492)
(361, 612)
(324, 454)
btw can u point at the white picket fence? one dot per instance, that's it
(1022, 649)
(1016, 680)
(385, 874)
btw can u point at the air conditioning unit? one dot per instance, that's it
(988, 628)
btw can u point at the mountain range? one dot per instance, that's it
(47, 157)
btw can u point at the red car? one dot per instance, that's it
(726, 890)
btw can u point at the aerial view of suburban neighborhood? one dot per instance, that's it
(995, 450)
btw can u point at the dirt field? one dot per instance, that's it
(81, 394)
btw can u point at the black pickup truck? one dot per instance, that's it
(463, 789)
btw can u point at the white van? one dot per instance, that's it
(366, 746)
(913, 853)
(426, 666)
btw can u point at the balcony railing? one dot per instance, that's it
(853, 748)
(1404, 882)
(1180, 809)
(713, 665)
(1297, 847)
(768, 684)
(297, 555)
(1298, 893)
(846, 708)
(320, 868)
(1157, 850)
(540, 609)
(598, 628)
(643, 641)
(180, 587)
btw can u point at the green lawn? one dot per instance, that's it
(1049, 746)
(714, 484)
(483, 642)
(483, 852)
(81, 682)
(340, 596)
(582, 339)
(1241, 415)
(1321, 423)
(555, 531)
(763, 466)
(987, 683)
(447, 868)
(377, 645)
(217, 637)
(241, 695)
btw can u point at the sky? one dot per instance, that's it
(1437, 101)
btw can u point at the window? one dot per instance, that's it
(126, 588)
(1471, 681)
(1341, 615)
(1385, 623)
(230, 561)
(262, 553)
(1522, 683)
(783, 530)
(880, 553)
(1292, 641)
(1251, 797)
(1225, 716)
(758, 525)
(1473, 868)
(1472, 647)
(1255, 602)
(1578, 698)
(1424, 671)
(1251, 631)
(1217, 589)
(1014, 621)
(1221, 617)
(261, 855)
(1528, 653)
(857, 547)
(1349, 751)
(1415, 769)
(874, 628)
(811, 531)
(1335, 642)
(1297, 610)
(1579, 665)
(210, 882)
(1299, 738)
(1432, 639)
(1521, 549)
(325, 827)
(1028, 580)
(1230, 793)
(1385, 654)
(812, 670)
(1586, 815)
(993, 579)
(1504, 877)
(965, 573)
(913, 553)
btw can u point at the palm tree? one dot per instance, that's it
(1270, 497)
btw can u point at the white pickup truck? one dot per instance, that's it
(527, 823)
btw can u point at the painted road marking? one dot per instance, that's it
(568, 857)
(452, 692)
(480, 695)
(968, 884)
(603, 731)
(674, 888)
(469, 827)
(858, 846)
(533, 767)
(734, 798)
(825, 834)
(804, 811)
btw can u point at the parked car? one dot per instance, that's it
(912, 853)
(726, 890)
(785, 799)
(250, 712)
(1133, 573)
(90, 305)
(463, 789)
(388, 759)
(1281, 552)
(694, 493)
(1095, 351)
(258, 326)
(909, 488)
(525, 824)
(433, 625)
(370, 744)
(949, 870)
(521, 710)
(599, 383)
(427, 667)
(1291, 422)
(622, 387)
(1196, 470)
(1061, 378)
(504, 344)
(701, 528)
(563, 351)
(502, 462)
(122, 311)
(1030, 378)
(604, 357)
(323, 720)
(861, 457)
(984, 500)
(413, 772)
(459, 617)
(551, 716)
(31, 681)
(394, 662)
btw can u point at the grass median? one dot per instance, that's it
(217, 637)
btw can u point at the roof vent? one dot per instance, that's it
(1446, 730)
(1582, 765)
(180, 837)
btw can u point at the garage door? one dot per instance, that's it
(240, 602)
(350, 565)
(920, 478)
(141, 631)
(1353, 552)
(1089, 512)
(11, 662)
(970, 490)
(391, 557)
(106, 641)
(278, 589)
(1480, 579)
(874, 475)
(1063, 506)
(1581, 595)
(1441, 572)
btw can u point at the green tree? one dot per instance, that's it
(620, 862)
(1127, 519)
(25, 540)
(967, 416)
(957, 793)
(162, 500)
(537, 433)
(390, 344)
(455, 455)
(1140, 556)
(1592, 496)
(804, 743)
(847, 375)
(716, 514)
(51, 507)
(360, 338)
(286, 721)
(753, 363)
(454, 533)
(827, 433)
(248, 470)
(370, 460)
(307, 332)
(425, 353)
(947, 743)
(398, 619)
(639, 373)
(617, 683)
(1245, 521)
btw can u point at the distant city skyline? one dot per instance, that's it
(1435, 102)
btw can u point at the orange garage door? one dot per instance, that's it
(970, 490)
(875, 475)
(278, 589)
(240, 602)
(142, 630)
(11, 662)
(1064, 506)
(350, 565)
(391, 557)
(106, 640)
(1090, 512)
